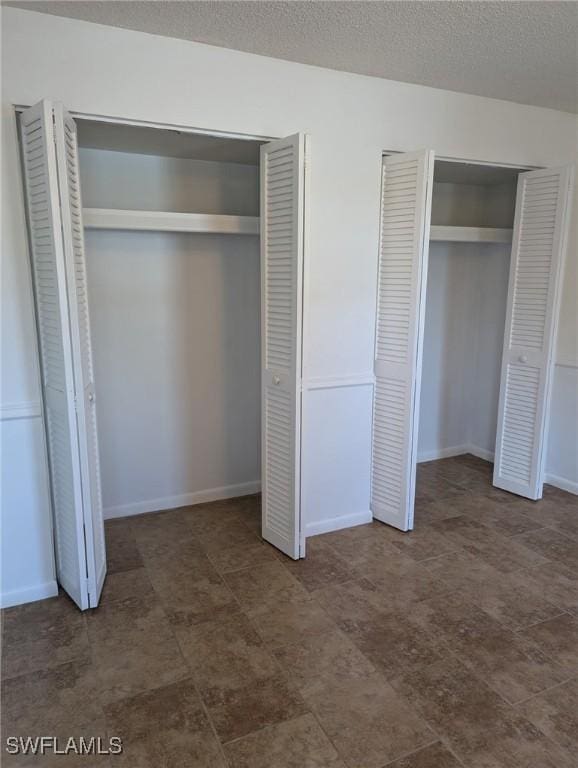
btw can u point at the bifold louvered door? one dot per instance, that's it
(539, 242)
(50, 168)
(282, 234)
(402, 272)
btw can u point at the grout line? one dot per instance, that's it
(542, 621)
(412, 753)
(546, 690)
(282, 670)
(267, 727)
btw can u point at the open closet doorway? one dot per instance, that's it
(470, 266)
(191, 270)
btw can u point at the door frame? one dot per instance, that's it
(486, 163)
(305, 287)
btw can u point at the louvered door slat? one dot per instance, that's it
(404, 240)
(73, 237)
(52, 319)
(540, 231)
(282, 189)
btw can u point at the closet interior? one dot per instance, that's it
(171, 225)
(467, 288)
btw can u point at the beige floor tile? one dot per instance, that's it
(122, 553)
(552, 545)
(479, 727)
(512, 602)
(42, 635)
(462, 615)
(458, 570)
(366, 720)
(289, 619)
(161, 533)
(322, 566)
(255, 706)
(133, 648)
(298, 743)
(501, 552)
(164, 727)
(558, 638)
(511, 665)
(47, 701)
(351, 602)
(401, 580)
(555, 712)
(231, 534)
(126, 584)
(264, 585)
(393, 642)
(434, 756)
(242, 555)
(421, 543)
(505, 519)
(190, 591)
(328, 655)
(225, 655)
(357, 551)
(553, 581)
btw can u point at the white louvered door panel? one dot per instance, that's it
(282, 215)
(73, 240)
(403, 255)
(52, 318)
(540, 234)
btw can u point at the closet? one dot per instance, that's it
(470, 240)
(470, 266)
(167, 272)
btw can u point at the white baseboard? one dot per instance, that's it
(29, 594)
(482, 453)
(184, 500)
(337, 523)
(561, 482)
(442, 453)
(456, 450)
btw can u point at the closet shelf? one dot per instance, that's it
(160, 221)
(470, 234)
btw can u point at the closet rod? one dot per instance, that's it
(470, 234)
(161, 221)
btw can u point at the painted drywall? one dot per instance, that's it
(489, 278)
(351, 119)
(445, 387)
(28, 571)
(175, 330)
(463, 341)
(466, 298)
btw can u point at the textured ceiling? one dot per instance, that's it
(519, 51)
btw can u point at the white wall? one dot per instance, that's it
(447, 352)
(350, 119)
(175, 329)
(466, 298)
(489, 278)
(463, 340)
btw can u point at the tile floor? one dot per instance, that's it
(454, 645)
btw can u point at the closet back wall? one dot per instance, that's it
(467, 290)
(175, 326)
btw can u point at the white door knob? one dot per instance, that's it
(276, 380)
(91, 397)
(523, 359)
